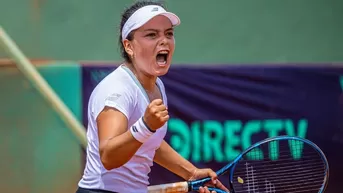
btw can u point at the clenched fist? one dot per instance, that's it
(156, 114)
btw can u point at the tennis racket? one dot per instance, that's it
(283, 164)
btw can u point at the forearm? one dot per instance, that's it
(119, 150)
(168, 158)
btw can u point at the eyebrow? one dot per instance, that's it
(155, 30)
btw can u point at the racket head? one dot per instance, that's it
(280, 164)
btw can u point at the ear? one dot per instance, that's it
(128, 47)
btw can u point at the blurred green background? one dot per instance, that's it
(220, 31)
(40, 154)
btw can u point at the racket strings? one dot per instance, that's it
(280, 155)
(285, 166)
(291, 190)
(286, 175)
(300, 179)
(290, 166)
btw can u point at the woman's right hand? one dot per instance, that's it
(156, 115)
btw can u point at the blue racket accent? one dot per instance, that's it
(295, 165)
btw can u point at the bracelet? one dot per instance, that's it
(140, 131)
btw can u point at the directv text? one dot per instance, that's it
(209, 140)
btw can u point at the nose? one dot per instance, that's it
(164, 40)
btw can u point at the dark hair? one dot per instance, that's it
(125, 16)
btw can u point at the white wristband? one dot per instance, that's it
(140, 131)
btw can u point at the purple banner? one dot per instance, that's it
(230, 107)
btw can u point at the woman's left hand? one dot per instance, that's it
(203, 173)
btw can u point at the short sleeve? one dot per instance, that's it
(120, 99)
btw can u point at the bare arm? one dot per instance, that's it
(168, 158)
(116, 143)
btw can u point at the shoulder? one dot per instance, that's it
(116, 81)
(115, 90)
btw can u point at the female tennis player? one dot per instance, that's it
(128, 112)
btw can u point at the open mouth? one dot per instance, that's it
(162, 57)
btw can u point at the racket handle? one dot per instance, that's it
(178, 187)
(195, 185)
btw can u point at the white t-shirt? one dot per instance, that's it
(121, 90)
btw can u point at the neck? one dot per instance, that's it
(147, 81)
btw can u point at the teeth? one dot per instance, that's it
(162, 63)
(163, 52)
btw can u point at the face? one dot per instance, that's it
(152, 46)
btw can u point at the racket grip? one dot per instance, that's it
(178, 187)
(197, 183)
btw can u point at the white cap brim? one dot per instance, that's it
(174, 19)
(145, 14)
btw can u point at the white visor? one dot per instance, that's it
(143, 15)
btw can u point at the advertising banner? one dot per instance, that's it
(218, 111)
